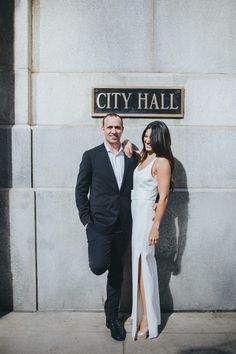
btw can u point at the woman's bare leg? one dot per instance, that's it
(144, 323)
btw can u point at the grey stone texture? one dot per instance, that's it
(6, 293)
(22, 35)
(190, 255)
(195, 36)
(100, 37)
(21, 196)
(65, 98)
(7, 34)
(85, 333)
(64, 279)
(134, 36)
(22, 96)
(203, 152)
(6, 96)
(6, 120)
(58, 151)
(22, 61)
(6, 63)
(21, 156)
(193, 269)
(22, 245)
(77, 45)
(5, 157)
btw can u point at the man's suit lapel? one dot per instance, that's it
(127, 163)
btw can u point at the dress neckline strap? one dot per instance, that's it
(150, 163)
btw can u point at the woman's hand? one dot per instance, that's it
(153, 235)
(128, 148)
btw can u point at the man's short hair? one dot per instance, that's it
(112, 115)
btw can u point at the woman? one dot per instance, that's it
(151, 177)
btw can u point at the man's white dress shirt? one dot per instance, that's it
(118, 163)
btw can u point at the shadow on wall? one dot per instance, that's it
(6, 297)
(6, 122)
(171, 245)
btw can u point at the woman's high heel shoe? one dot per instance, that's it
(142, 335)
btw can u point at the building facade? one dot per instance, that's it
(58, 51)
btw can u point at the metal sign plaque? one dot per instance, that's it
(164, 102)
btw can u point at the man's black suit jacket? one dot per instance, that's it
(98, 198)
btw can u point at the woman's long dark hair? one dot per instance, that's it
(160, 143)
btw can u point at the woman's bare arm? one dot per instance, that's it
(162, 173)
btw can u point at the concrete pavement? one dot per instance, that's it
(85, 333)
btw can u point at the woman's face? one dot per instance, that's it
(147, 140)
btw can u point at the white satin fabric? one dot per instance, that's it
(143, 198)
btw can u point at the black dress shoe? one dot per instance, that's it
(117, 329)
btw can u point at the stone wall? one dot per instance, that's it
(62, 50)
(6, 122)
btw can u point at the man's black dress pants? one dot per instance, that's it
(106, 253)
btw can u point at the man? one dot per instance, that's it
(103, 191)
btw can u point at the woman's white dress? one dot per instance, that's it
(143, 198)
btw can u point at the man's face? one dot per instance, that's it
(112, 130)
